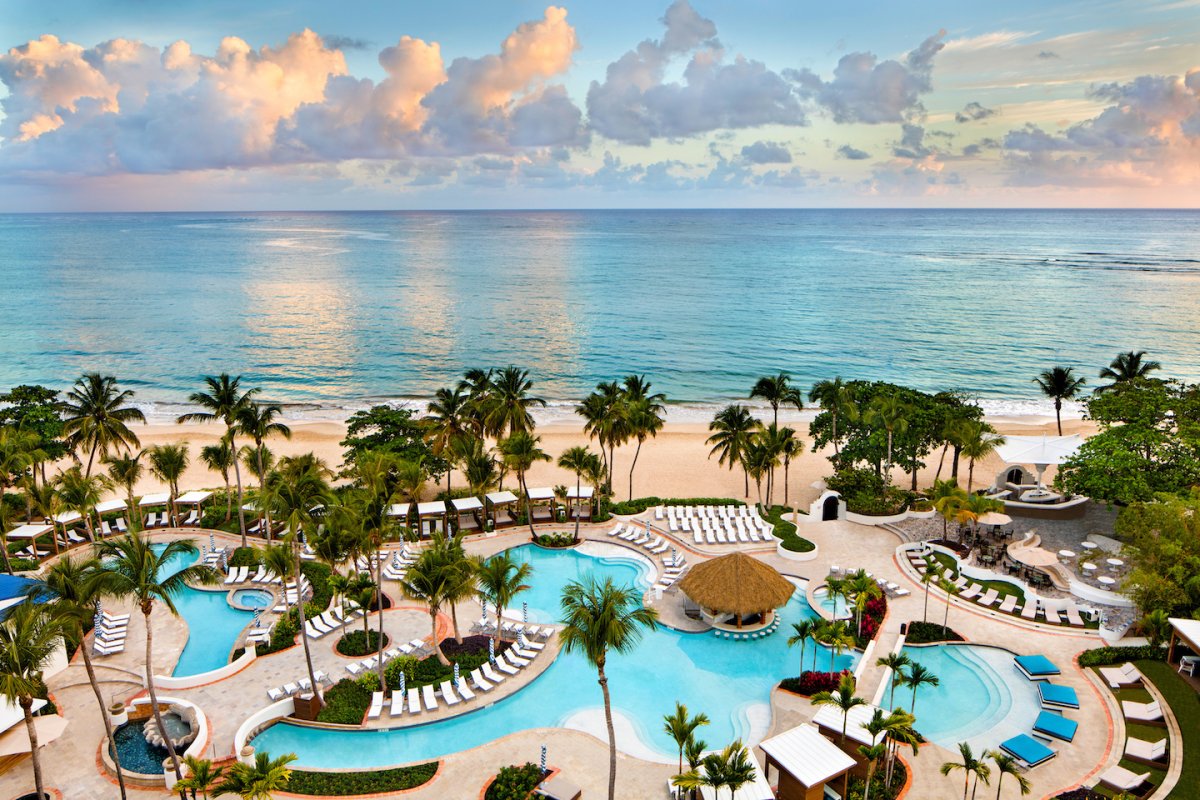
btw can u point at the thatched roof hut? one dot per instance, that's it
(736, 584)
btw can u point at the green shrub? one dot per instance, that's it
(22, 564)
(1107, 656)
(868, 493)
(515, 783)
(556, 539)
(929, 632)
(346, 702)
(391, 672)
(640, 504)
(246, 557)
(337, 784)
(430, 671)
(357, 644)
(786, 531)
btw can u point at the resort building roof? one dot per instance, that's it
(466, 504)
(736, 584)
(110, 505)
(807, 755)
(831, 718)
(1186, 629)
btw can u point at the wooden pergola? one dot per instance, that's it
(31, 532)
(473, 507)
(576, 499)
(541, 496)
(494, 502)
(433, 511)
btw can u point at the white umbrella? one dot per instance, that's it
(1041, 451)
(994, 518)
(15, 740)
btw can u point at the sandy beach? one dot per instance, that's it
(675, 464)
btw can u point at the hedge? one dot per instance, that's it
(929, 632)
(1107, 656)
(356, 644)
(22, 564)
(348, 700)
(556, 539)
(515, 783)
(246, 557)
(430, 671)
(786, 531)
(375, 781)
(639, 504)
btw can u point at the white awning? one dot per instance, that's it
(466, 504)
(11, 713)
(585, 492)
(1188, 629)
(399, 509)
(830, 718)
(110, 505)
(29, 531)
(156, 499)
(807, 755)
(67, 517)
(500, 498)
(541, 493)
(434, 508)
(194, 497)
(1038, 450)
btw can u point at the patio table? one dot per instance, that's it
(1115, 562)
(1107, 581)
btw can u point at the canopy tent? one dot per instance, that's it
(15, 741)
(193, 498)
(32, 532)
(110, 505)
(432, 510)
(493, 502)
(1041, 451)
(576, 499)
(804, 755)
(541, 495)
(155, 499)
(831, 719)
(736, 584)
(470, 505)
(1186, 631)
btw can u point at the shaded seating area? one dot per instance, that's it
(33, 532)
(581, 503)
(193, 502)
(498, 507)
(400, 513)
(543, 506)
(473, 509)
(734, 588)
(156, 519)
(431, 517)
(805, 761)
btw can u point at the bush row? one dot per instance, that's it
(348, 700)
(357, 644)
(347, 783)
(555, 539)
(640, 504)
(1107, 656)
(515, 783)
(810, 682)
(786, 531)
(427, 671)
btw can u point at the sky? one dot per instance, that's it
(296, 104)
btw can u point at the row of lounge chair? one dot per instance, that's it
(641, 536)
(335, 619)
(297, 687)
(416, 647)
(401, 560)
(1031, 609)
(512, 629)
(1139, 750)
(163, 520)
(110, 633)
(242, 575)
(1031, 750)
(709, 526)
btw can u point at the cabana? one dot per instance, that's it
(494, 503)
(473, 507)
(731, 588)
(805, 761)
(196, 498)
(576, 498)
(399, 511)
(831, 719)
(109, 506)
(1184, 632)
(154, 501)
(31, 532)
(541, 496)
(433, 511)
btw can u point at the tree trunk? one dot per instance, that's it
(437, 644)
(612, 735)
(636, 453)
(941, 462)
(1058, 413)
(27, 707)
(237, 472)
(499, 619)
(379, 605)
(312, 676)
(579, 500)
(108, 731)
(88, 472)
(228, 500)
(454, 622)
(154, 695)
(528, 502)
(954, 463)
(836, 450)
(4, 544)
(786, 465)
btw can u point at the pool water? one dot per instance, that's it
(253, 598)
(138, 755)
(729, 681)
(837, 606)
(981, 697)
(553, 569)
(213, 625)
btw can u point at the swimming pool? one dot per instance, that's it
(837, 606)
(553, 569)
(213, 625)
(981, 697)
(253, 598)
(729, 681)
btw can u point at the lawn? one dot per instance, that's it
(1002, 587)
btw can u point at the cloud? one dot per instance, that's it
(1047, 54)
(974, 112)
(767, 153)
(912, 143)
(636, 105)
(911, 178)
(337, 42)
(852, 153)
(977, 148)
(865, 89)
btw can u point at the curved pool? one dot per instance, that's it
(729, 681)
(981, 698)
(253, 598)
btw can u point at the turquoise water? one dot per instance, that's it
(213, 625)
(253, 598)
(981, 697)
(834, 605)
(729, 681)
(553, 569)
(336, 308)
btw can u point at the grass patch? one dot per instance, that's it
(347, 701)
(786, 531)
(1185, 704)
(375, 781)
(356, 644)
(1003, 588)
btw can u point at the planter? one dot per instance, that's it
(169, 774)
(246, 756)
(490, 525)
(118, 714)
(795, 555)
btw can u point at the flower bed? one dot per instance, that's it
(810, 682)
(514, 783)
(337, 784)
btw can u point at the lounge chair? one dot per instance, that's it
(354, 668)
(481, 683)
(192, 518)
(1027, 750)
(122, 525)
(75, 538)
(1050, 724)
(105, 528)
(1142, 712)
(232, 576)
(505, 667)
(1030, 609)
(989, 597)
(1125, 675)
(257, 577)
(1009, 604)
(448, 693)
(275, 694)
(1036, 667)
(491, 674)
(397, 706)
(515, 659)
(291, 688)
(971, 592)
(1056, 695)
(1146, 752)
(429, 697)
(414, 701)
(1073, 617)
(1122, 779)
(1052, 616)
(376, 705)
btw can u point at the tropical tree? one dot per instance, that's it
(897, 729)
(791, 447)
(862, 589)
(970, 766)
(521, 451)
(430, 580)
(30, 635)
(758, 460)
(947, 498)
(841, 698)
(449, 420)
(125, 471)
(1126, 367)
(600, 618)
(137, 571)
(223, 400)
(220, 458)
(257, 781)
(80, 493)
(919, 675)
(479, 468)
(501, 579)
(510, 401)
(168, 462)
(96, 416)
(644, 418)
(1007, 765)
(732, 768)
(980, 440)
(681, 727)
(1156, 625)
(75, 587)
(1059, 383)
(577, 460)
(603, 412)
(930, 576)
(477, 384)
(202, 776)
(871, 754)
(733, 430)
(777, 390)
(950, 589)
(835, 397)
(259, 422)
(804, 630)
(17, 448)
(890, 413)
(837, 637)
(896, 662)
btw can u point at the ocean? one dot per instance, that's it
(329, 312)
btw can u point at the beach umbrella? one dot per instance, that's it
(456, 676)
(212, 541)
(492, 651)
(543, 761)
(525, 613)
(403, 682)
(485, 612)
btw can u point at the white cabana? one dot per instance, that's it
(470, 505)
(67, 517)
(32, 532)
(806, 756)
(493, 502)
(831, 717)
(155, 499)
(540, 495)
(110, 505)
(1040, 451)
(193, 498)
(577, 497)
(432, 510)
(399, 510)
(15, 741)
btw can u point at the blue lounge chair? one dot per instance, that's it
(1027, 750)
(1037, 667)
(1056, 695)
(1056, 725)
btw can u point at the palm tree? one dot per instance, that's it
(219, 458)
(891, 413)
(257, 781)
(792, 447)
(731, 768)
(980, 440)
(448, 420)
(577, 459)
(45, 499)
(776, 390)
(838, 638)
(1059, 383)
(463, 583)
(872, 754)
(224, 401)
(897, 728)
(931, 576)
(1156, 625)
(681, 727)
(835, 397)
(16, 448)
(96, 416)
(644, 418)
(202, 776)
(430, 580)
(950, 589)
(604, 416)
(479, 468)
(30, 637)
(804, 630)
(168, 463)
(757, 460)
(277, 558)
(896, 662)
(947, 498)
(508, 407)
(136, 571)
(1007, 765)
(259, 422)
(970, 766)
(125, 471)
(919, 675)
(76, 586)
(841, 698)
(733, 429)
(521, 451)
(501, 578)
(862, 588)
(80, 493)
(477, 384)
(1127, 366)
(599, 618)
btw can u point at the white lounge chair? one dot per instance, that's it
(989, 597)
(1030, 609)
(1125, 675)
(492, 675)
(514, 659)
(481, 683)
(397, 707)
(972, 591)
(1122, 779)
(275, 694)
(505, 667)
(1009, 604)
(122, 525)
(376, 705)
(1141, 750)
(1051, 615)
(429, 697)
(1142, 712)
(414, 701)
(448, 693)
